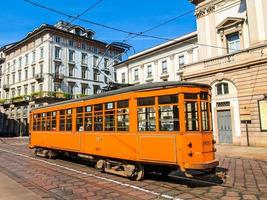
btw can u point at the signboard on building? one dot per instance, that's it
(263, 114)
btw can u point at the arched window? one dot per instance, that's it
(222, 88)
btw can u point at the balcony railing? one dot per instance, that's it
(39, 77)
(58, 77)
(35, 96)
(50, 94)
(6, 87)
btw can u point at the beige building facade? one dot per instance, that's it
(51, 64)
(231, 50)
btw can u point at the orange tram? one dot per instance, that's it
(156, 127)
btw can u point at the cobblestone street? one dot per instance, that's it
(65, 179)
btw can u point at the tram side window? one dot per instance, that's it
(38, 121)
(123, 115)
(168, 113)
(54, 121)
(69, 120)
(48, 121)
(88, 120)
(98, 117)
(205, 116)
(79, 119)
(62, 120)
(191, 116)
(44, 122)
(146, 114)
(110, 116)
(34, 124)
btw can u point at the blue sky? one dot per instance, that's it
(18, 17)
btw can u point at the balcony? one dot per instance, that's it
(39, 77)
(6, 87)
(58, 77)
(50, 94)
(20, 98)
(243, 58)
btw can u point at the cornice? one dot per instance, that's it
(204, 8)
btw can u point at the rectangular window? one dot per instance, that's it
(95, 61)
(205, 116)
(26, 59)
(43, 122)
(168, 113)
(96, 76)
(48, 121)
(65, 120)
(136, 75)
(233, 42)
(146, 119)
(71, 56)
(41, 69)
(146, 101)
(181, 61)
(88, 119)
(33, 71)
(71, 43)
(57, 53)
(123, 115)
(19, 91)
(33, 88)
(26, 73)
(191, 113)
(98, 117)
(149, 71)
(110, 116)
(33, 57)
(13, 78)
(96, 89)
(123, 80)
(25, 89)
(84, 58)
(57, 39)
(164, 66)
(84, 89)
(54, 121)
(20, 62)
(146, 114)
(19, 75)
(105, 63)
(79, 119)
(41, 53)
(84, 72)
(71, 70)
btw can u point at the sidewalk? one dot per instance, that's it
(11, 190)
(257, 153)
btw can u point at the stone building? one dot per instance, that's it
(231, 50)
(51, 64)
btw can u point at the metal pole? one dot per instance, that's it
(247, 133)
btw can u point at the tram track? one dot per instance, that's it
(91, 175)
(162, 185)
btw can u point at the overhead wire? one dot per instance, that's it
(73, 19)
(129, 32)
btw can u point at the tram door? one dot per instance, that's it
(224, 127)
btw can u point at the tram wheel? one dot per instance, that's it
(139, 172)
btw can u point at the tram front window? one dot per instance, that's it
(191, 115)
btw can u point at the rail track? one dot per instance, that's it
(168, 184)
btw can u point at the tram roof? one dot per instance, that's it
(135, 88)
